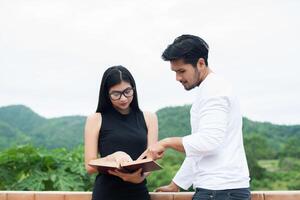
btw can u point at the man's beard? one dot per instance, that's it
(189, 88)
(197, 82)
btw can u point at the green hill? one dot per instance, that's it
(276, 135)
(174, 121)
(20, 125)
(21, 117)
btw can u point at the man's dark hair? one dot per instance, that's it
(113, 76)
(189, 48)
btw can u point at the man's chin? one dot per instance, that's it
(187, 88)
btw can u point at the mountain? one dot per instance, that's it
(277, 135)
(20, 125)
(174, 121)
(21, 117)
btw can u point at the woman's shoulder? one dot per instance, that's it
(94, 118)
(93, 125)
(149, 116)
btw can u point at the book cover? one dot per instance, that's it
(147, 165)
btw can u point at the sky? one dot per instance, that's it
(53, 52)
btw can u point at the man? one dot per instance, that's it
(215, 162)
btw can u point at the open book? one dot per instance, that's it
(146, 164)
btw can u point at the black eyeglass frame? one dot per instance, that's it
(120, 93)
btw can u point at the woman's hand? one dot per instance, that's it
(135, 177)
(120, 157)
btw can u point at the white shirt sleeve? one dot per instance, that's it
(212, 119)
(185, 175)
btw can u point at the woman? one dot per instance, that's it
(119, 131)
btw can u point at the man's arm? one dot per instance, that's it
(172, 187)
(212, 127)
(156, 151)
(173, 143)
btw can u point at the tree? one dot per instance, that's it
(291, 148)
(255, 147)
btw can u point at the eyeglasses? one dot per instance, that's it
(116, 95)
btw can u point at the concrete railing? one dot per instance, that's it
(57, 195)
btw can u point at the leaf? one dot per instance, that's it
(67, 182)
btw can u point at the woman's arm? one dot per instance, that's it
(152, 126)
(91, 135)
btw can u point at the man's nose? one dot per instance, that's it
(178, 77)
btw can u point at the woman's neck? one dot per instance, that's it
(123, 111)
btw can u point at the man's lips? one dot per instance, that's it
(183, 82)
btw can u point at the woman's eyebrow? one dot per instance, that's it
(120, 90)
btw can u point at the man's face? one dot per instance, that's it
(186, 74)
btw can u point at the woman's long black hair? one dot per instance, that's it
(113, 76)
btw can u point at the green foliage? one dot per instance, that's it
(60, 132)
(291, 148)
(294, 184)
(276, 135)
(171, 162)
(174, 121)
(270, 165)
(10, 136)
(38, 169)
(256, 148)
(29, 168)
(289, 164)
(257, 145)
(279, 180)
(278, 175)
(272, 151)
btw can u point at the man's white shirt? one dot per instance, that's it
(215, 156)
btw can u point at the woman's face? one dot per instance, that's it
(121, 96)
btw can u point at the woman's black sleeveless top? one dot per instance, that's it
(126, 133)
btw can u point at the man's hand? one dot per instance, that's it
(172, 187)
(155, 151)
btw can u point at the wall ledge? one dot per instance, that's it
(76, 195)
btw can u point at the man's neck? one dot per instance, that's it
(205, 74)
